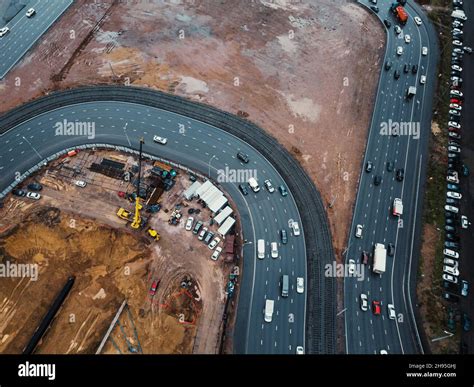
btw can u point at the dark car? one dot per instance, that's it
(365, 257)
(450, 297)
(414, 69)
(396, 74)
(400, 174)
(465, 170)
(284, 237)
(451, 201)
(449, 228)
(283, 190)
(406, 68)
(35, 187)
(451, 245)
(402, 2)
(19, 192)
(387, 23)
(388, 65)
(453, 187)
(390, 249)
(449, 221)
(374, 8)
(452, 237)
(197, 227)
(208, 237)
(466, 325)
(369, 166)
(377, 180)
(243, 157)
(243, 189)
(389, 166)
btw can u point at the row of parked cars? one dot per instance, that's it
(204, 235)
(456, 170)
(5, 30)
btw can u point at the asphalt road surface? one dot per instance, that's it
(466, 265)
(24, 31)
(31, 137)
(367, 333)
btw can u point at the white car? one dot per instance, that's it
(457, 43)
(398, 30)
(452, 179)
(451, 270)
(407, 38)
(451, 253)
(464, 221)
(81, 183)
(391, 312)
(450, 278)
(299, 350)
(454, 195)
(456, 68)
(450, 262)
(358, 232)
(455, 149)
(423, 79)
(202, 234)
(364, 302)
(4, 31)
(33, 195)
(417, 20)
(456, 31)
(451, 208)
(454, 124)
(383, 352)
(455, 106)
(189, 223)
(454, 113)
(30, 12)
(160, 140)
(274, 249)
(300, 285)
(399, 50)
(296, 228)
(216, 253)
(352, 266)
(424, 51)
(269, 186)
(214, 243)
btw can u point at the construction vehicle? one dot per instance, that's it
(399, 13)
(137, 222)
(122, 213)
(154, 234)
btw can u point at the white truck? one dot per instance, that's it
(261, 248)
(380, 258)
(459, 14)
(411, 92)
(253, 183)
(269, 304)
(397, 208)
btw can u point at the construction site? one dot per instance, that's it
(118, 269)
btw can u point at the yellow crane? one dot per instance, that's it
(137, 220)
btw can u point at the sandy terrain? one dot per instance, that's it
(305, 71)
(111, 263)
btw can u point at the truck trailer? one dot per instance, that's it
(380, 258)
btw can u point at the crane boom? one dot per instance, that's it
(137, 218)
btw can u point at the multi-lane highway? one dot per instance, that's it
(205, 148)
(366, 332)
(25, 31)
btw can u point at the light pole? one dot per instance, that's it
(212, 158)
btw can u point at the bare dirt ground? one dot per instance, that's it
(75, 231)
(304, 71)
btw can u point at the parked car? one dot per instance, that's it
(33, 195)
(466, 325)
(35, 187)
(214, 243)
(203, 233)
(216, 253)
(451, 245)
(80, 183)
(18, 192)
(197, 227)
(154, 287)
(208, 238)
(451, 253)
(450, 278)
(454, 195)
(464, 288)
(464, 222)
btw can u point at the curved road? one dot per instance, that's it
(31, 138)
(365, 332)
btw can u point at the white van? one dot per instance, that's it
(261, 248)
(269, 310)
(274, 249)
(253, 183)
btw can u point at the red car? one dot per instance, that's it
(376, 307)
(121, 194)
(365, 257)
(451, 129)
(153, 287)
(455, 100)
